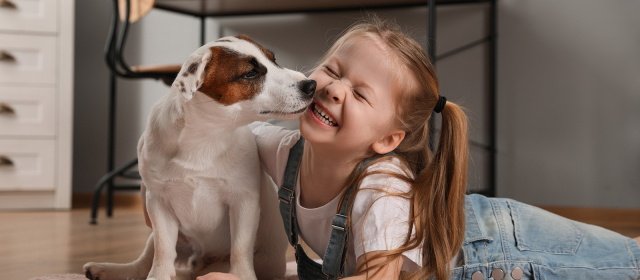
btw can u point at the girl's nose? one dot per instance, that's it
(336, 91)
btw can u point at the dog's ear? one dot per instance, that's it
(191, 75)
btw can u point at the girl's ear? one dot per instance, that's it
(389, 142)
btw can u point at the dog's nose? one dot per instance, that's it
(308, 87)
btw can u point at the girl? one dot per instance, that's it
(360, 186)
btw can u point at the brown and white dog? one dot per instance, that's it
(199, 163)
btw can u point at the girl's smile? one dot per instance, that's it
(322, 115)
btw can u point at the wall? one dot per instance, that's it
(546, 155)
(569, 85)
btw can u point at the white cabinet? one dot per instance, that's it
(28, 111)
(30, 15)
(32, 165)
(29, 59)
(36, 103)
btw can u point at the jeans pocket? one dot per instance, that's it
(541, 231)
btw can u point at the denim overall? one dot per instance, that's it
(504, 240)
(334, 257)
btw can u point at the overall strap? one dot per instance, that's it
(336, 253)
(286, 195)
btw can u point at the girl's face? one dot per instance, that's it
(353, 105)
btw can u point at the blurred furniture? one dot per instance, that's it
(36, 103)
(128, 11)
(131, 10)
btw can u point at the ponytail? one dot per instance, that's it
(439, 195)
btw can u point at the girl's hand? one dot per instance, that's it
(218, 276)
(388, 271)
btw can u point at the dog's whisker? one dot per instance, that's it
(281, 110)
(236, 119)
(206, 101)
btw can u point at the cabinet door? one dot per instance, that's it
(27, 59)
(27, 164)
(29, 15)
(27, 111)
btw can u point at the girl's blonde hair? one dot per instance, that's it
(438, 181)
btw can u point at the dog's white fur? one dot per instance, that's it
(199, 163)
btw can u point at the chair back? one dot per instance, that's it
(139, 9)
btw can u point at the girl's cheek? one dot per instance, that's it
(321, 80)
(315, 75)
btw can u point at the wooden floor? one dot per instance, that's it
(40, 243)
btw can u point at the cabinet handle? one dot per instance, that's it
(5, 161)
(6, 56)
(7, 4)
(6, 108)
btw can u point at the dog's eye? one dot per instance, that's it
(251, 74)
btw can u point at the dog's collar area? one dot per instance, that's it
(283, 113)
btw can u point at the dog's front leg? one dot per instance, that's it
(165, 236)
(244, 217)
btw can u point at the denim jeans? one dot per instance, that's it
(506, 239)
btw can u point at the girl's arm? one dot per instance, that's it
(273, 144)
(389, 271)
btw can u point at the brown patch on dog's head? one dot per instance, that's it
(230, 77)
(269, 54)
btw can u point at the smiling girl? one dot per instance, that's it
(360, 186)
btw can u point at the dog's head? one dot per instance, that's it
(237, 72)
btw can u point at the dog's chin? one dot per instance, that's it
(283, 115)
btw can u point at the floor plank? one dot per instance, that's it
(40, 243)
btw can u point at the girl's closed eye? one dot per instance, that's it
(335, 75)
(359, 96)
(331, 72)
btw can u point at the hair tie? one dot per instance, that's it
(440, 105)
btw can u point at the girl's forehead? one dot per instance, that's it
(364, 42)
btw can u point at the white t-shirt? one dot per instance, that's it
(383, 227)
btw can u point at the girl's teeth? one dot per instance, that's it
(322, 116)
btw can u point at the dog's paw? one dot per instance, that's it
(111, 271)
(96, 271)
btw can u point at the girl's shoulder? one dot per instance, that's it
(274, 143)
(381, 210)
(387, 175)
(384, 186)
(267, 134)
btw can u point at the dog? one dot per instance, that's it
(199, 163)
